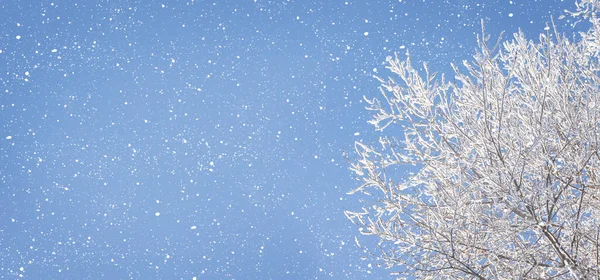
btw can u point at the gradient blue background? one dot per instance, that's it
(181, 139)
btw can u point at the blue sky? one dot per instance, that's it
(181, 139)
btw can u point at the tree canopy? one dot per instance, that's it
(507, 156)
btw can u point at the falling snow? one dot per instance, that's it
(204, 139)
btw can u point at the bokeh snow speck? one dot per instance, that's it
(174, 139)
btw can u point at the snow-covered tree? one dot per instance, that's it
(507, 156)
